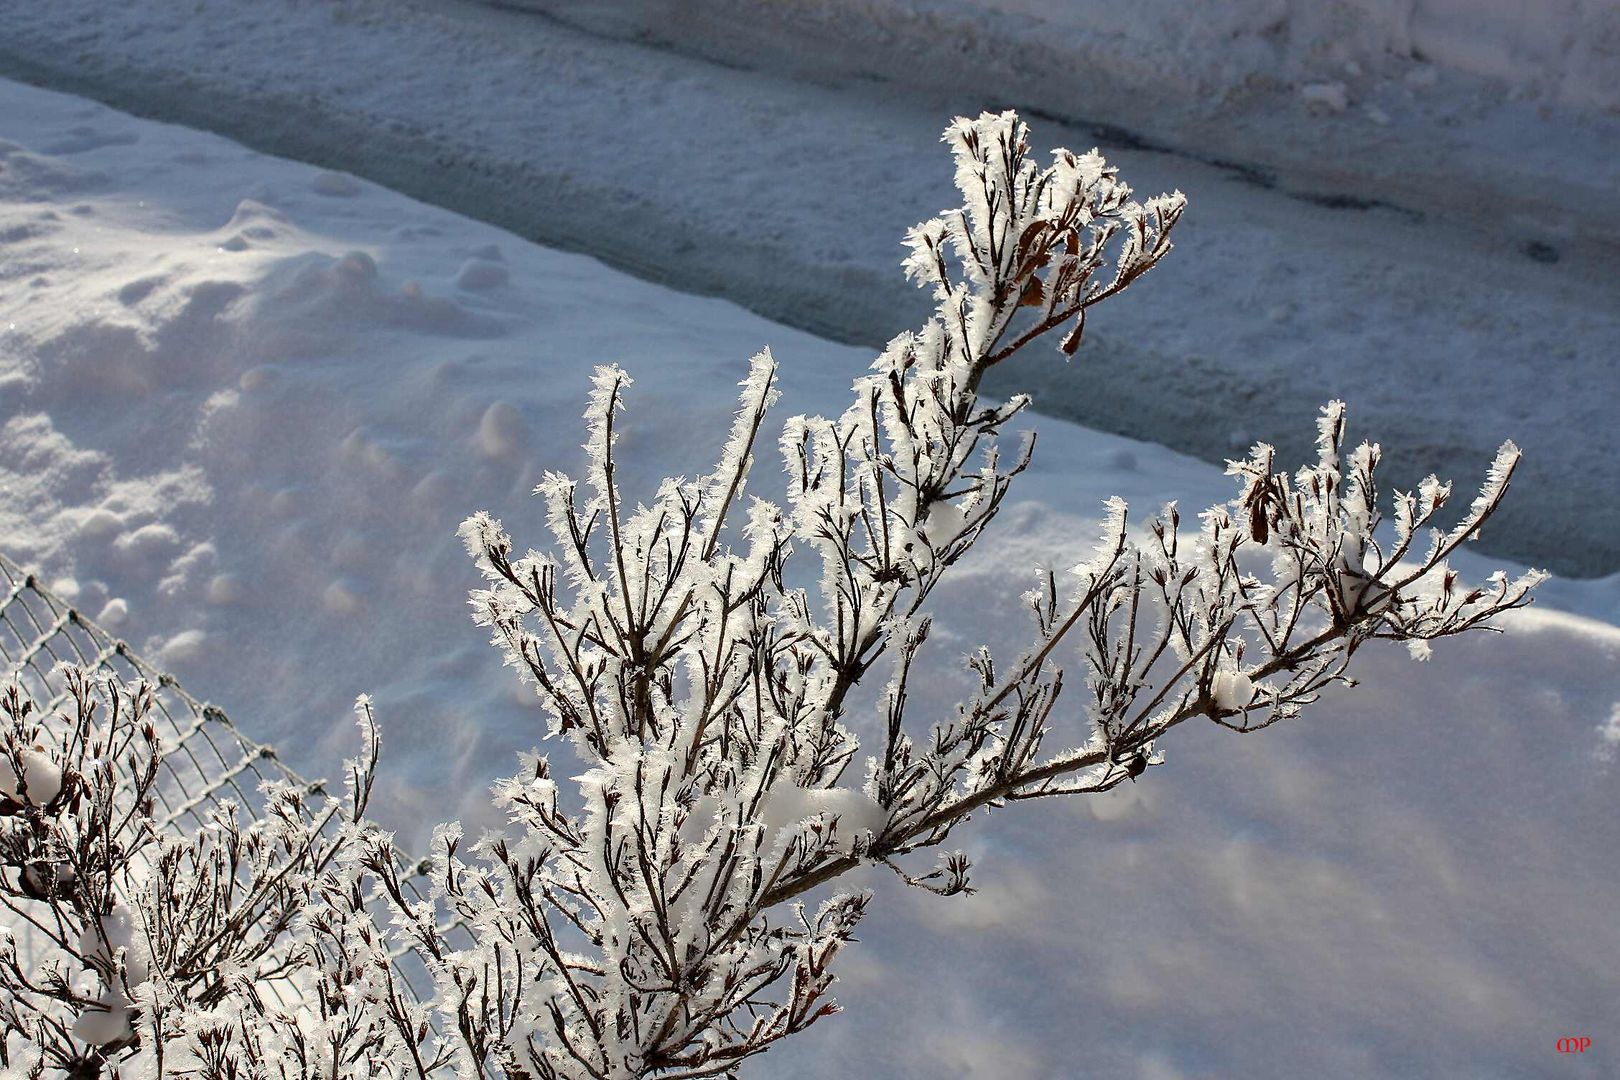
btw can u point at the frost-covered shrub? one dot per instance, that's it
(662, 914)
(670, 644)
(143, 939)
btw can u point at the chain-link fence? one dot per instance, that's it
(208, 760)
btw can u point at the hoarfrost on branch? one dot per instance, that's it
(699, 654)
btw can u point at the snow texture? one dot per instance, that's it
(1442, 253)
(1561, 51)
(217, 366)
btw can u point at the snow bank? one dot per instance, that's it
(1559, 51)
(245, 403)
(1428, 104)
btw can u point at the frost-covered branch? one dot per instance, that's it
(707, 690)
(653, 916)
(147, 946)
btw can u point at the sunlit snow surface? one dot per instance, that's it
(244, 405)
(782, 178)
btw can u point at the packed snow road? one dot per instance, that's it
(789, 196)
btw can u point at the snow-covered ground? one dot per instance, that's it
(1442, 105)
(1552, 51)
(244, 404)
(1481, 304)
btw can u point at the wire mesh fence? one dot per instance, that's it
(208, 761)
